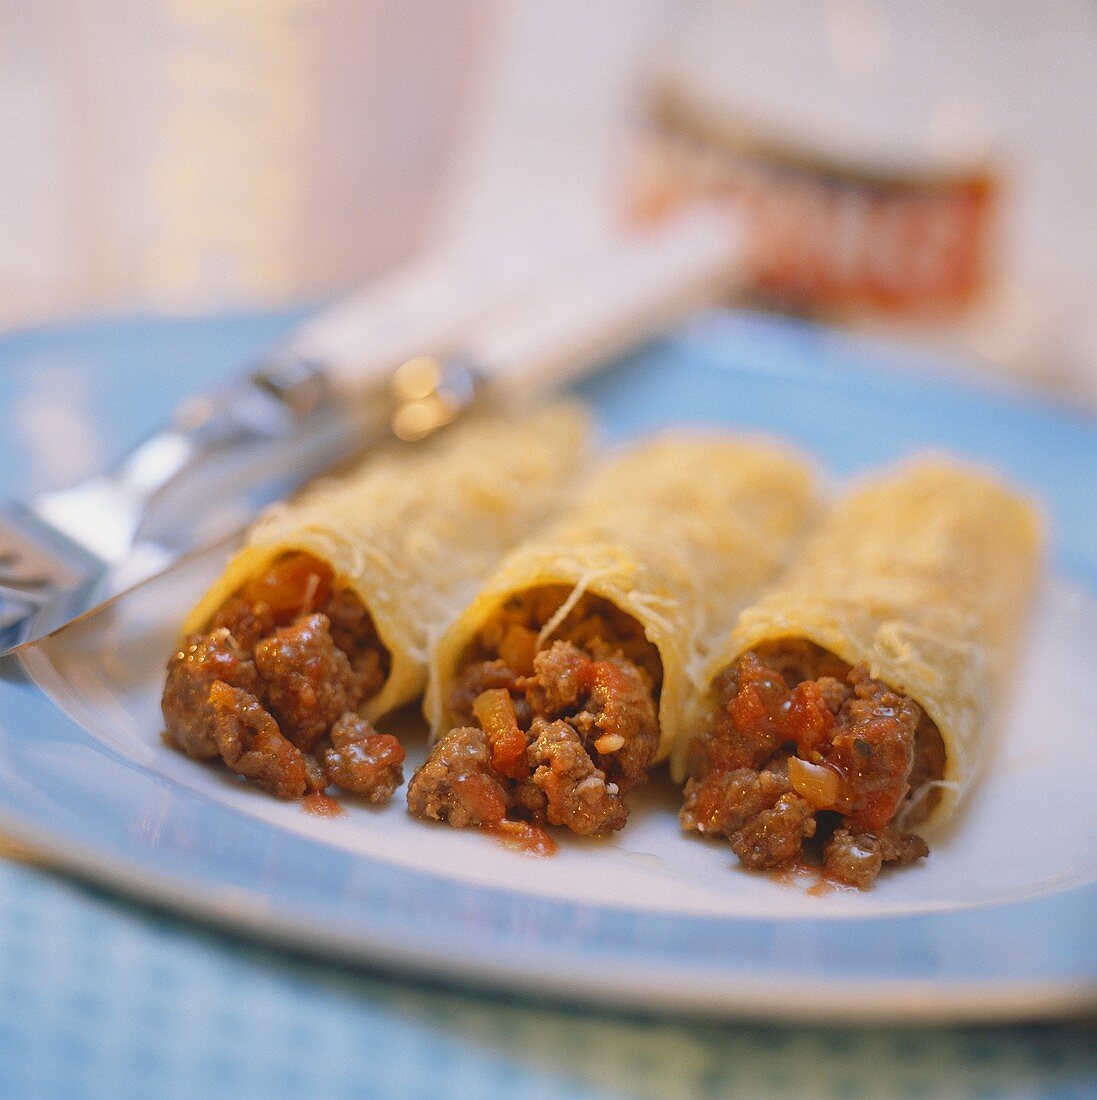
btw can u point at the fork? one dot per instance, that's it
(62, 552)
(400, 362)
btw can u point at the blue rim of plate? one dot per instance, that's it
(105, 819)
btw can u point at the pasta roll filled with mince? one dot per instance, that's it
(320, 624)
(856, 700)
(568, 675)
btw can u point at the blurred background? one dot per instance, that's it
(922, 171)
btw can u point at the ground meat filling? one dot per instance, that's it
(252, 745)
(205, 660)
(550, 735)
(856, 858)
(272, 687)
(801, 746)
(576, 792)
(307, 680)
(457, 783)
(363, 761)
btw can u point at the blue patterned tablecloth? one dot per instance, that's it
(99, 997)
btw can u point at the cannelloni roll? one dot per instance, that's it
(320, 623)
(857, 699)
(571, 671)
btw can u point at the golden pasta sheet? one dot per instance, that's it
(414, 531)
(924, 574)
(676, 534)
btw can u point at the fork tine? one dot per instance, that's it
(37, 565)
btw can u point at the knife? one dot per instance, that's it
(371, 368)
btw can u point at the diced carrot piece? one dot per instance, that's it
(495, 713)
(293, 585)
(518, 648)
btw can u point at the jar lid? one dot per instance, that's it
(865, 86)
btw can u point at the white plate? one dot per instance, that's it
(997, 922)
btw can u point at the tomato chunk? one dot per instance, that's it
(495, 713)
(293, 585)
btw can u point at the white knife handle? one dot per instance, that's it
(602, 304)
(360, 339)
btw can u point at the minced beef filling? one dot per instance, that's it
(550, 735)
(802, 746)
(272, 687)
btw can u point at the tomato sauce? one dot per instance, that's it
(321, 805)
(523, 837)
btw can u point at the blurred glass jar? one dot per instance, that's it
(925, 169)
(825, 234)
(196, 153)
